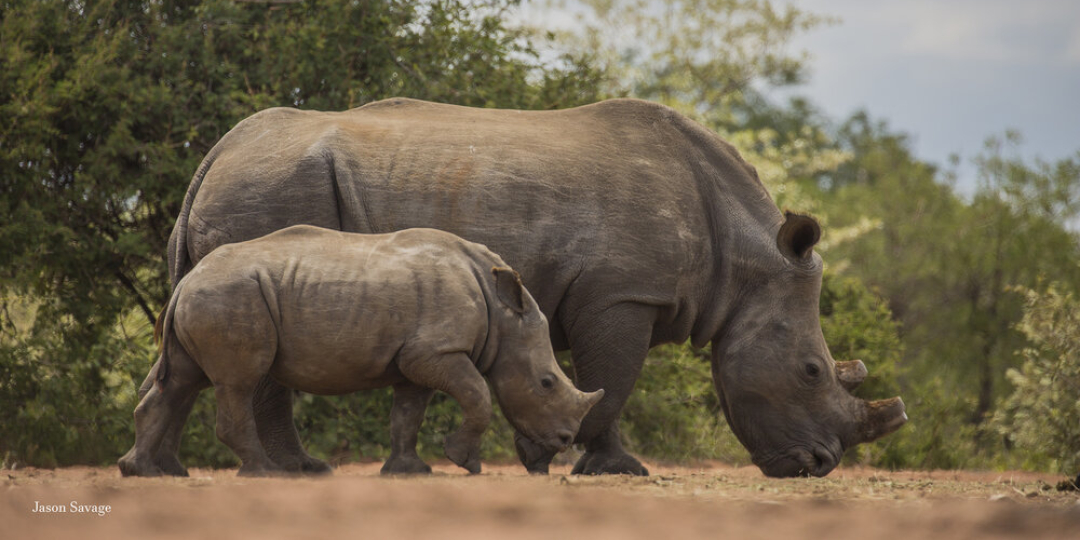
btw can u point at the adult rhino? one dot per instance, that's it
(630, 224)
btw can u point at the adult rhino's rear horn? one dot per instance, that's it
(883, 417)
(851, 374)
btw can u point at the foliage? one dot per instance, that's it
(106, 109)
(52, 413)
(1041, 416)
(350, 428)
(712, 60)
(674, 414)
(947, 267)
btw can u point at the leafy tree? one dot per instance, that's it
(1041, 416)
(106, 109)
(714, 61)
(947, 266)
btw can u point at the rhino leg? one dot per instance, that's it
(609, 349)
(169, 461)
(456, 375)
(155, 417)
(406, 416)
(273, 419)
(273, 407)
(167, 456)
(236, 428)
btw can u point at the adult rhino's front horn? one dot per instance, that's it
(878, 418)
(882, 417)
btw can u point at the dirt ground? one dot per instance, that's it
(712, 500)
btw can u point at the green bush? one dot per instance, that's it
(357, 427)
(674, 413)
(56, 412)
(1041, 418)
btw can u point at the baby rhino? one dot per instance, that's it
(328, 312)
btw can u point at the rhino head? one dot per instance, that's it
(784, 396)
(538, 399)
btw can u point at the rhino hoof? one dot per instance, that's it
(595, 463)
(132, 467)
(261, 471)
(401, 465)
(169, 464)
(314, 466)
(462, 453)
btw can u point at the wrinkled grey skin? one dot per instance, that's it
(328, 312)
(630, 224)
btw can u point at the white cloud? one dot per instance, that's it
(1072, 52)
(1035, 31)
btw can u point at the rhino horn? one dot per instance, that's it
(851, 374)
(589, 399)
(883, 417)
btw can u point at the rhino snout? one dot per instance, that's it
(563, 439)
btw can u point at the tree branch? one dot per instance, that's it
(143, 304)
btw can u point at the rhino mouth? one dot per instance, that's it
(800, 460)
(556, 441)
(818, 461)
(551, 442)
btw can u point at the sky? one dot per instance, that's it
(950, 73)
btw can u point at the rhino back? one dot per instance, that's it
(343, 307)
(615, 198)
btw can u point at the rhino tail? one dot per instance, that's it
(179, 260)
(166, 337)
(159, 329)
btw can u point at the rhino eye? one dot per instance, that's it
(547, 382)
(813, 370)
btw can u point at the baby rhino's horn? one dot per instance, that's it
(589, 399)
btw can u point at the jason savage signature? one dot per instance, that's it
(74, 507)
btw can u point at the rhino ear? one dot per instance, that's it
(509, 287)
(797, 236)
